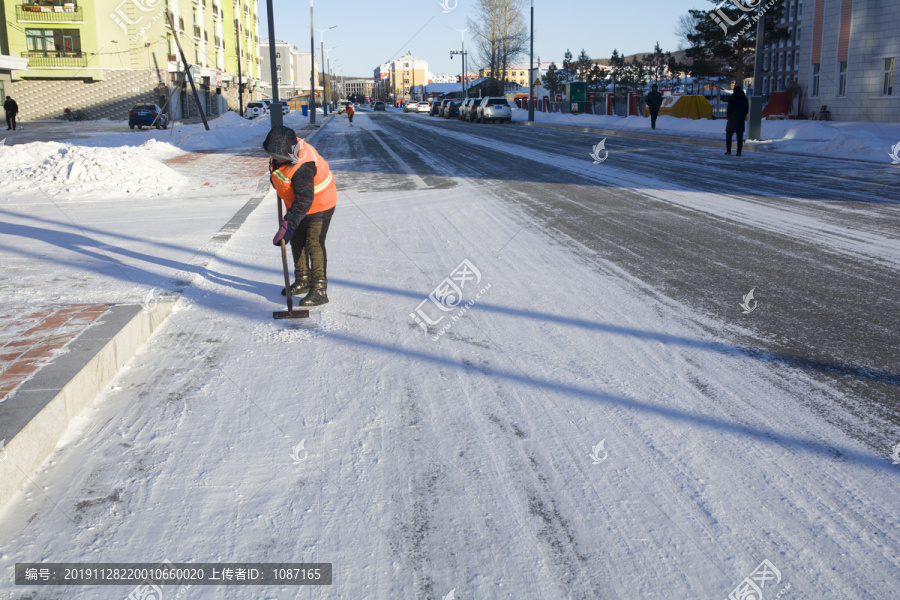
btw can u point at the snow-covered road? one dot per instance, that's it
(602, 421)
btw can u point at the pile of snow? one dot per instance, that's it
(834, 139)
(70, 168)
(229, 130)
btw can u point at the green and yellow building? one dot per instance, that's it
(101, 56)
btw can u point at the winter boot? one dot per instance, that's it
(300, 286)
(317, 295)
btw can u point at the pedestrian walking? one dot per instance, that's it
(350, 114)
(737, 110)
(654, 102)
(303, 181)
(12, 109)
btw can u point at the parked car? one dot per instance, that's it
(472, 113)
(423, 107)
(146, 114)
(256, 109)
(285, 109)
(464, 107)
(452, 109)
(438, 108)
(494, 109)
(411, 107)
(380, 106)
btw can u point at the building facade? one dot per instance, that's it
(101, 56)
(849, 59)
(394, 80)
(517, 73)
(357, 86)
(293, 69)
(781, 61)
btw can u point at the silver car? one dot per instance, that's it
(472, 111)
(494, 109)
(411, 106)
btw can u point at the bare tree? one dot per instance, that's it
(500, 33)
(686, 25)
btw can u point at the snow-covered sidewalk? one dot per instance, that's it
(596, 439)
(832, 139)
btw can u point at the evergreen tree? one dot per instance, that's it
(553, 79)
(568, 67)
(583, 65)
(596, 79)
(617, 63)
(723, 42)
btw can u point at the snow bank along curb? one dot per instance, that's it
(34, 418)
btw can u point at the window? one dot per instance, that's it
(781, 83)
(888, 89)
(799, 8)
(766, 62)
(842, 78)
(793, 10)
(54, 42)
(278, 68)
(814, 85)
(765, 86)
(278, 55)
(790, 61)
(781, 61)
(797, 37)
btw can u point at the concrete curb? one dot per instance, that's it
(34, 418)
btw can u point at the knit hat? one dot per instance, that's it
(282, 144)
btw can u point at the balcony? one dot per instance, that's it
(56, 60)
(64, 13)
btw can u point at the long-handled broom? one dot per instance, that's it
(290, 313)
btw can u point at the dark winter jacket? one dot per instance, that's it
(10, 107)
(738, 107)
(654, 101)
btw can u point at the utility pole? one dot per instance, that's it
(190, 76)
(276, 118)
(239, 60)
(312, 67)
(754, 129)
(462, 35)
(531, 69)
(322, 46)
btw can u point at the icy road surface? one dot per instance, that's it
(597, 418)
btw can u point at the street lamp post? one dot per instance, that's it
(531, 69)
(462, 35)
(754, 129)
(322, 46)
(277, 119)
(312, 66)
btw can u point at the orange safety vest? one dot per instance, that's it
(325, 189)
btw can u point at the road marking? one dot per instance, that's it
(420, 183)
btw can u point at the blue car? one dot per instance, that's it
(146, 114)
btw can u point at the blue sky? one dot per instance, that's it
(371, 32)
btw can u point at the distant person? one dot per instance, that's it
(12, 109)
(737, 110)
(654, 102)
(350, 114)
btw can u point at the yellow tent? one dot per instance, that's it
(684, 107)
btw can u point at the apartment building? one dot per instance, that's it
(292, 69)
(781, 61)
(395, 79)
(101, 56)
(849, 59)
(518, 72)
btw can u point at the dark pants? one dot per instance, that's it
(350, 116)
(740, 140)
(11, 119)
(653, 115)
(308, 245)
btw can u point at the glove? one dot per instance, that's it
(285, 232)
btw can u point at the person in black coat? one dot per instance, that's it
(11, 109)
(737, 110)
